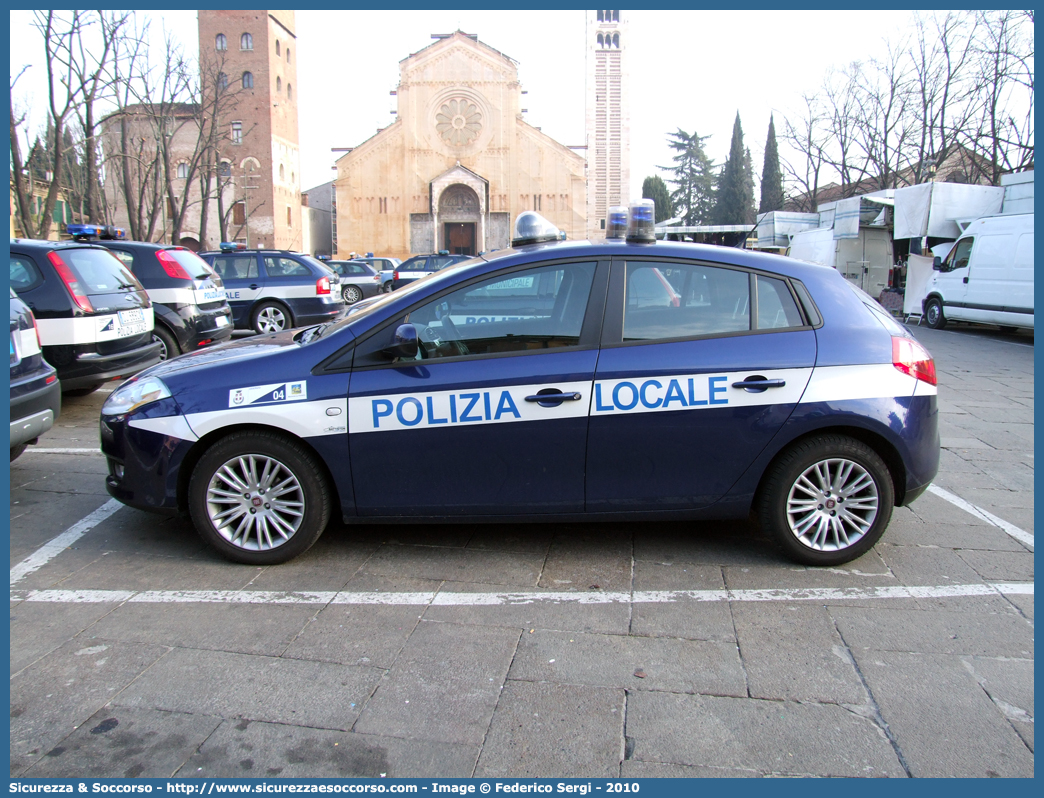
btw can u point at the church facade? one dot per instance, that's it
(458, 164)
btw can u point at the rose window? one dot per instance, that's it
(458, 122)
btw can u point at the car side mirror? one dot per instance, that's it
(406, 343)
(937, 264)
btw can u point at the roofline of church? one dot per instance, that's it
(459, 33)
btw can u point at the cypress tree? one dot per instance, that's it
(771, 175)
(735, 203)
(655, 189)
(692, 177)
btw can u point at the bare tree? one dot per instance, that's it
(60, 35)
(808, 136)
(1000, 132)
(884, 129)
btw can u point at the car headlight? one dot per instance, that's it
(134, 394)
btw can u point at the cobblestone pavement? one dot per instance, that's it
(537, 650)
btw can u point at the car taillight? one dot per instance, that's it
(911, 358)
(171, 266)
(322, 285)
(71, 282)
(395, 274)
(50, 379)
(36, 329)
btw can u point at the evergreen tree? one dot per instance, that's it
(655, 189)
(771, 175)
(692, 178)
(735, 203)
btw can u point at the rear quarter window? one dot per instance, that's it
(24, 274)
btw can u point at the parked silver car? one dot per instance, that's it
(359, 280)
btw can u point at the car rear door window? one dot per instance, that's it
(677, 300)
(528, 310)
(285, 267)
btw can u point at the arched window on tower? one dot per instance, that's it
(248, 80)
(277, 46)
(616, 16)
(279, 83)
(616, 40)
(288, 55)
(220, 42)
(282, 172)
(601, 16)
(182, 171)
(222, 81)
(246, 42)
(601, 39)
(289, 92)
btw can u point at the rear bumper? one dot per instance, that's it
(89, 367)
(34, 412)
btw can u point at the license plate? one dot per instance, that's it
(221, 321)
(136, 316)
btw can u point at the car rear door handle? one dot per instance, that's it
(758, 384)
(254, 286)
(965, 281)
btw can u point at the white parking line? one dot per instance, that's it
(53, 548)
(451, 599)
(37, 450)
(1020, 535)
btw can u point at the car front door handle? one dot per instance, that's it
(965, 281)
(254, 286)
(553, 397)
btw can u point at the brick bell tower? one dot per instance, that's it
(253, 54)
(608, 116)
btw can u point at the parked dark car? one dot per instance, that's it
(271, 290)
(94, 317)
(36, 393)
(422, 265)
(188, 296)
(359, 280)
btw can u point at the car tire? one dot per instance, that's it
(170, 343)
(269, 317)
(801, 502)
(933, 314)
(16, 451)
(352, 294)
(227, 488)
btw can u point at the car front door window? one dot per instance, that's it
(529, 310)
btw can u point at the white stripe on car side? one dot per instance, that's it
(85, 329)
(27, 343)
(507, 404)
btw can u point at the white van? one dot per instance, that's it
(987, 277)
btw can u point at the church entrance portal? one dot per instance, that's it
(460, 238)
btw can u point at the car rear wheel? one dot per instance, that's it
(170, 346)
(259, 498)
(16, 451)
(352, 294)
(270, 317)
(827, 500)
(933, 314)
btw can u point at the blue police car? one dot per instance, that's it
(610, 379)
(273, 290)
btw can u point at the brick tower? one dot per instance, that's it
(255, 55)
(608, 117)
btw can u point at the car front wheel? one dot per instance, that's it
(933, 314)
(827, 500)
(259, 498)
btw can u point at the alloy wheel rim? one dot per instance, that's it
(255, 502)
(163, 346)
(351, 294)
(832, 504)
(271, 320)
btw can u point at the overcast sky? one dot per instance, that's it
(687, 69)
